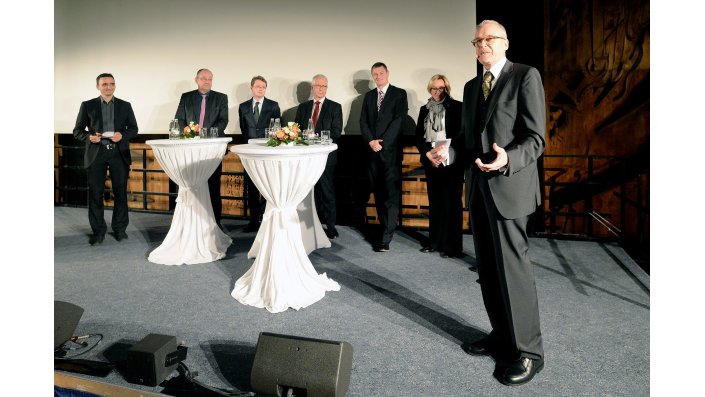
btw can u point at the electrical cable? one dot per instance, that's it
(77, 343)
(186, 373)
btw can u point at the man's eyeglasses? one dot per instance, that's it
(319, 86)
(439, 89)
(489, 40)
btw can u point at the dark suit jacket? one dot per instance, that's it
(250, 129)
(516, 121)
(90, 121)
(453, 121)
(330, 117)
(385, 124)
(216, 110)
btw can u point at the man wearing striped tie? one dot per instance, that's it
(383, 111)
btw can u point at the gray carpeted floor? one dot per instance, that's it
(405, 313)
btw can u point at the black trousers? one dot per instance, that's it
(444, 186)
(107, 159)
(385, 177)
(506, 274)
(324, 193)
(214, 190)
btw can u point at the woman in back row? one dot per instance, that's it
(439, 120)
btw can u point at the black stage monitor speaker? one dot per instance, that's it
(148, 361)
(282, 362)
(66, 317)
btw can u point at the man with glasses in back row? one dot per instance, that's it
(504, 123)
(325, 114)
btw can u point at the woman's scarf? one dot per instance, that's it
(433, 123)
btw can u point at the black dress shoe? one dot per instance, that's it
(119, 236)
(251, 227)
(521, 371)
(332, 233)
(96, 239)
(427, 249)
(482, 347)
(382, 248)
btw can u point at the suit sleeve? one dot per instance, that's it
(336, 127)
(130, 127)
(181, 112)
(421, 143)
(82, 121)
(530, 126)
(221, 120)
(365, 129)
(299, 118)
(241, 118)
(401, 108)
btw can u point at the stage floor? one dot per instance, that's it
(405, 313)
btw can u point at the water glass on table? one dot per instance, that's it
(325, 137)
(174, 129)
(203, 133)
(213, 132)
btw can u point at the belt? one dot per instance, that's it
(109, 146)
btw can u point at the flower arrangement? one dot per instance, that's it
(291, 134)
(191, 131)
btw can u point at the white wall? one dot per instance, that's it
(155, 47)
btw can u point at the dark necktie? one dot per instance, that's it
(256, 111)
(487, 84)
(380, 98)
(316, 109)
(202, 116)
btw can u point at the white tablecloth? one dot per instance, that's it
(193, 237)
(282, 275)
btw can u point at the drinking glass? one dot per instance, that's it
(325, 137)
(277, 124)
(203, 132)
(174, 129)
(213, 132)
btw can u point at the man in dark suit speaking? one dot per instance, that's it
(325, 114)
(504, 122)
(383, 111)
(254, 115)
(209, 109)
(106, 124)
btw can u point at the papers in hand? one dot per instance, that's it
(451, 153)
(107, 134)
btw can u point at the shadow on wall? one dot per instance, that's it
(362, 84)
(303, 93)
(168, 108)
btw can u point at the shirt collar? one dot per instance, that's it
(383, 89)
(102, 100)
(496, 70)
(320, 100)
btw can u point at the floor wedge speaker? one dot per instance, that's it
(283, 362)
(66, 317)
(147, 360)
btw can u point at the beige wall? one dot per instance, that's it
(154, 48)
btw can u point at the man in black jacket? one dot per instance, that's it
(106, 124)
(383, 111)
(325, 114)
(208, 109)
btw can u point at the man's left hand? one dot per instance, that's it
(500, 161)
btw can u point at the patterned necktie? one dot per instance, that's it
(256, 111)
(202, 116)
(487, 84)
(315, 114)
(380, 97)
